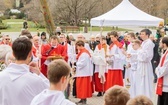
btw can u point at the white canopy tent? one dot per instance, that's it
(125, 14)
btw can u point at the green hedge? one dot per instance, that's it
(3, 26)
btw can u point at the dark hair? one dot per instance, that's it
(80, 43)
(147, 31)
(165, 40)
(21, 48)
(109, 33)
(57, 69)
(137, 33)
(26, 33)
(114, 33)
(43, 34)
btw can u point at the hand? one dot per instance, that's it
(110, 56)
(124, 52)
(128, 55)
(39, 55)
(128, 66)
(50, 57)
(34, 68)
(72, 63)
(154, 61)
(106, 56)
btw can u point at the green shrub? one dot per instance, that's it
(20, 15)
(38, 26)
(2, 26)
(3, 17)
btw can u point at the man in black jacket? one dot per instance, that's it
(92, 43)
(156, 57)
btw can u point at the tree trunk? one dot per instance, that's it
(50, 27)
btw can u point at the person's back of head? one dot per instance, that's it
(26, 33)
(116, 95)
(58, 72)
(22, 47)
(140, 100)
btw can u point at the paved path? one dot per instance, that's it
(99, 100)
(14, 35)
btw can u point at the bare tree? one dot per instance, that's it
(74, 10)
(164, 10)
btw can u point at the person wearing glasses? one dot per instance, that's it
(6, 40)
(51, 51)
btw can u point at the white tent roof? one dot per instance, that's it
(125, 14)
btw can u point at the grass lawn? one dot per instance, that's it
(15, 25)
(108, 29)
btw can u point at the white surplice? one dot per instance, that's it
(51, 97)
(163, 72)
(18, 85)
(87, 47)
(117, 58)
(129, 73)
(84, 66)
(144, 73)
(99, 60)
(72, 57)
(132, 70)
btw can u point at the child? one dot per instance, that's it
(130, 50)
(114, 60)
(132, 66)
(140, 100)
(58, 75)
(84, 72)
(99, 59)
(116, 95)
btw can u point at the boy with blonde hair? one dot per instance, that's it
(140, 100)
(58, 75)
(136, 46)
(116, 95)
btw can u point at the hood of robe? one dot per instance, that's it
(49, 97)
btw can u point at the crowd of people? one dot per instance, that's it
(37, 71)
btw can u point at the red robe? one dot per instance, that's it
(84, 86)
(114, 77)
(47, 51)
(65, 53)
(34, 51)
(99, 87)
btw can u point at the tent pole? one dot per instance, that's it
(91, 30)
(101, 31)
